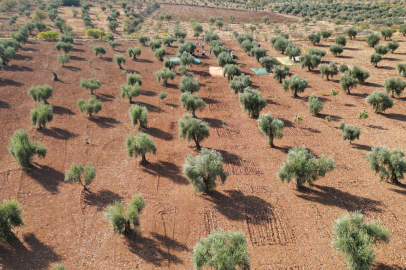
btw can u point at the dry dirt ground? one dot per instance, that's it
(285, 228)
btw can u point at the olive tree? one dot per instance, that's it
(292, 51)
(314, 38)
(133, 52)
(225, 59)
(354, 237)
(379, 101)
(90, 84)
(281, 44)
(343, 68)
(222, 250)
(22, 150)
(401, 67)
(62, 59)
(314, 105)
(359, 74)
(325, 34)
(10, 217)
(393, 45)
(41, 115)
(73, 175)
(192, 102)
(394, 85)
(391, 166)
(348, 82)
(40, 93)
(336, 49)
(381, 49)
(351, 32)
(204, 170)
(373, 40)
(159, 54)
(271, 127)
(164, 74)
(65, 46)
(138, 114)
(295, 84)
(328, 70)
(140, 145)
(252, 101)
(310, 61)
(130, 91)
(375, 58)
(121, 220)
(186, 59)
(268, 62)
(280, 73)
(239, 83)
(169, 64)
(258, 52)
(350, 132)
(119, 60)
(231, 71)
(191, 128)
(143, 39)
(304, 167)
(189, 84)
(91, 106)
(387, 33)
(134, 78)
(340, 41)
(247, 45)
(183, 70)
(167, 41)
(99, 50)
(155, 44)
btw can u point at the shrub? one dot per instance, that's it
(90, 84)
(140, 145)
(393, 45)
(336, 49)
(143, 40)
(162, 95)
(387, 33)
(42, 115)
(39, 15)
(133, 52)
(48, 35)
(314, 105)
(359, 74)
(40, 93)
(343, 68)
(390, 165)
(193, 128)
(120, 220)
(380, 101)
(134, 78)
(381, 49)
(239, 83)
(189, 84)
(165, 74)
(271, 127)
(268, 62)
(231, 71)
(192, 102)
(252, 101)
(347, 82)
(10, 217)
(351, 32)
(94, 33)
(92, 106)
(292, 51)
(304, 167)
(354, 237)
(119, 60)
(328, 70)
(341, 41)
(309, 61)
(295, 84)
(22, 150)
(99, 50)
(130, 91)
(279, 73)
(314, 38)
(203, 170)
(350, 132)
(73, 175)
(375, 58)
(169, 64)
(372, 40)
(222, 250)
(258, 52)
(138, 114)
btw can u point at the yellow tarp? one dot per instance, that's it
(216, 71)
(286, 61)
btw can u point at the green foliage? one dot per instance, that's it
(293, 51)
(225, 59)
(217, 50)
(120, 220)
(373, 40)
(41, 115)
(67, 37)
(281, 44)
(252, 101)
(314, 105)
(387, 33)
(343, 68)
(239, 83)
(355, 238)
(140, 145)
(112, 25)
(314, 38)
(310, 61)
(167, 41)
(341, 41)
(130, 91)
(268, 62)
(169, 64)
(350, 132)
(91, 106)
(393, 45)
(401, 67)
(119, 60)
(10, 217)
(183, 70)
(381, 49)
(73, 175)
(351, 32)
(69, 3)
(138, 114)
(258, 52)
(304, 167)
(336, 49)
(247, 45)
(22, 150)
(279, 73)
(133, 52)
(394, 85)
(203, 170)
(40, 93)
(62, 59)
(317, 51)
(48, 35)
(192, 102)
(359, 74)
(90, 84)
(113, 44)
(188, 47)
(59, 266)
(222, 250)
(375, 58)
(164, 74)
(143, 39)
(189, 84)
(95, 33)
(402, 29)
(134, 78)
(191, 128)
(231, 71)
(325, 34)
(271, 127)
(328, 70)
(99, 50)
(380, 101)
(295, 84)
(390, 165)
(159, 53)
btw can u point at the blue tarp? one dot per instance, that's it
(260, 71)
(177, 59)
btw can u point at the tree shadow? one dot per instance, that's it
(391, 59)
(148, 93)
(346, 57)
(173, 172)
(61, 110)
(356, 95)
(58, 133)
(172, 86)
(210, 100)
(312, 130)
(158, 133)
(371, 84)
(71, 68)
(377, 127)
(382, 266)
(4, 105)
(386, 67)
(17, 68)
(143, 60)
(154, 250)
(230, 158)
(48, 177)
(77, 50)
(362, 147)
(22, 57)
(235, 205)
(172, 105)
(395, 116)
(101, 198)
(109, 59)
(150, 107)
(334, 118)
(28, 49)
(352, 49)
(214, 123)
(77, 58)
(15, 255)
(104, 122)
(7, 82)
(104, 97)
(334, 197)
